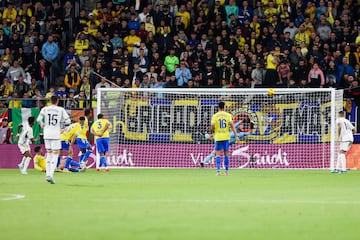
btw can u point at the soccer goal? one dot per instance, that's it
(168, 128)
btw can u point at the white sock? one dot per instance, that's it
(54, 159)
(22, 162)
(26, 163)
(48, 164)
(343, 162)
(338, 162)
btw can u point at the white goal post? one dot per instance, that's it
(167, 128)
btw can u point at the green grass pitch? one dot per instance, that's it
(181, 204)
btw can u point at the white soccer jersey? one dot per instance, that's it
(51, 118)
(26, 135)
(346, 128)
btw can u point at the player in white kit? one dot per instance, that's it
(345, 131)
(50, 119)
(25, 138)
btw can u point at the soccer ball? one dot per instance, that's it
(271, 91)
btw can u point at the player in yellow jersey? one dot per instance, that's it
(221, 123)
(68, 137)
(39, 160)
(100, 129)
(82, 140)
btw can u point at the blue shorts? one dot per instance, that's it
(222, 145)
(102, 145)
(83, 143)
(65, 145)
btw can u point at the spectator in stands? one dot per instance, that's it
(50, 52)
(72, 79)
(14, 72)
(316, 77)
(182, 74)
(102, 84)
(21, 87)
(171, 61)
(5, 132)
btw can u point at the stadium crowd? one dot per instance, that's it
(49, 47)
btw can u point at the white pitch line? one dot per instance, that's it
(270, 201)
(9, 196)
(211, 201)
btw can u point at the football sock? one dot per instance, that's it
(208, 158)
(68, 161)
(86, 156)
(103, 160)
(81, 158)
(53, 163)
(218, 162)
(22, 162)
(26, 163)
(338, 161)
(48, 164)
(74, 164)
(226, 162)
(343, 162)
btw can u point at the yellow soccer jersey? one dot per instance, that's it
(99, 125)
(39, 163)
(221, 120)
(69, 132)
(84, 129)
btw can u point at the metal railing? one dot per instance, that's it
(67, 103)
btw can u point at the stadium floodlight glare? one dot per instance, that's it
(168, 128)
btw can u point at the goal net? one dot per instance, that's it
(168, 128)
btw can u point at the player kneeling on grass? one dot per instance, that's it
(39, 160)
(243, 128)
(345, 138)
(25, 138)
(68, 138)
(100, 129)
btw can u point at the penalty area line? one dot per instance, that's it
(10, 196)
(258, 201)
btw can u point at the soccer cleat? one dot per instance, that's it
(226, 173)
(98, 169)
(50, 180)
(342, 172)
(335, 171)
(82, 169)
(65, 170)
(24, 172)
(218, 174)
(201, 164)
(106, 170)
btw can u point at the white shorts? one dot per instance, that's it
(52, 144)
(345, 146)
(24, 147)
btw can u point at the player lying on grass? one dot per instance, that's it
(243, 128)
(68, 138)
(39, 160)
